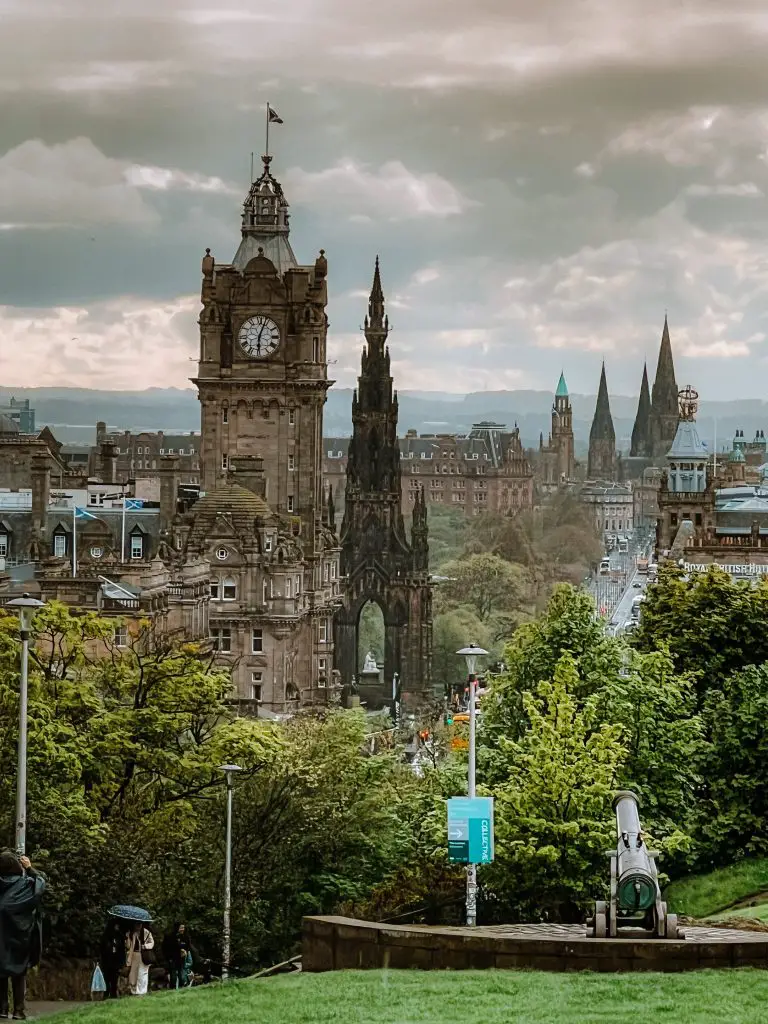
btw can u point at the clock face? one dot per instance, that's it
(259, 337)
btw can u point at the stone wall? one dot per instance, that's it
(338, 943)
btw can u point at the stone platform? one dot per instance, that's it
(339, 943)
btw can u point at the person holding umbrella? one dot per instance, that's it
(21, 891)
(139, 946)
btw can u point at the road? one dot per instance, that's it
(613, 594)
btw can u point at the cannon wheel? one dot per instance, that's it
(601, 919)
(671, 927)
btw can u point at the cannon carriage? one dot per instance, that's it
(635, 901)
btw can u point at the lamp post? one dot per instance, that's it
(226, 945)
(471, 654)
(26, 607)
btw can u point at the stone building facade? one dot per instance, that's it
(487, 470)
(138, 455)
(263, 521)
(378, 561)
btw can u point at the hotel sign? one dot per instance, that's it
(732, 570)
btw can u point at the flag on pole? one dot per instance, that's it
(81, 513)
(131, 504)
(273, 116)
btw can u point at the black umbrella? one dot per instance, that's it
(128, 913)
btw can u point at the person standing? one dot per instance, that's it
(177, 951)
(140, 947)
(21, 892)
(113, 954)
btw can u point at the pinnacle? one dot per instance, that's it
(376, 315)
(562, 387)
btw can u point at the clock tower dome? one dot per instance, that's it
(262, 375)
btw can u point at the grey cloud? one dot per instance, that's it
(178, 87)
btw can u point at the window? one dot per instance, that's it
(162, 451)
(268, 544)
(137, 546)
(257, 641)
(225, 415)
(326, 571)
(256, 684)
(214, 590)
(315, 350)
(264, 592)
(229, 589)
(298, 585)
(290, 503)
(222, 639)
(171, 451)
(96, 499)
(291, 417)
(291, 463)
(291, 692)
(121, 636)
(59, 545)
(288, 586)
(323, 628)
(222, 554)
(3, 545)
(322, 671)
(224, 460)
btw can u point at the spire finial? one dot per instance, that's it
(376, 301)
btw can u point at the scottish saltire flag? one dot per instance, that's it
(81, 513)
(131, 504)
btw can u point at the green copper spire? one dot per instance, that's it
(562, 387)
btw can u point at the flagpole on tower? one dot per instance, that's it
(266, 150)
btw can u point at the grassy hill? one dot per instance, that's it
(703, 896)
(446, 997)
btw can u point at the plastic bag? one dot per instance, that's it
(97, 981)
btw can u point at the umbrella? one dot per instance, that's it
(128, 913)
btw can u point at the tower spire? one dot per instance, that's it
(376, 320)
(641, 445)
(601, 463)
(664, 408)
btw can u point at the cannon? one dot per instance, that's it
(635, 902)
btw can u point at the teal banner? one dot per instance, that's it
(470, 830)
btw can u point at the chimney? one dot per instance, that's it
(101, 431)
(169, 489)
(248, 471)
(108, 459)
(41, 493)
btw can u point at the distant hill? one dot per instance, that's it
(72, 413)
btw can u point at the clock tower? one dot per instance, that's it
(261, 522)
(262, 376)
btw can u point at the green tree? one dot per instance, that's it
(452, 630)
(487, 582)
(732, 819)
(553, 793)
(712, 624)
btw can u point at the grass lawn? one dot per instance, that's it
(757, 913)
(461, 997)
(703, 895)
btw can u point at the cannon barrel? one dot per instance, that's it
(637, 888)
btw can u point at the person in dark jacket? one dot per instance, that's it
(21, 892)
(177, 951)
(113, 955)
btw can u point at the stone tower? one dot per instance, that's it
(261, 521)
(664, 407)
(641, 444)
(562, 431)
(379, 563)
(601, 463)
(556, 457)
(262, 376)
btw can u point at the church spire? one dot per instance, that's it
(376, 321)
(664, 408)
(601, 463)
(641, 445)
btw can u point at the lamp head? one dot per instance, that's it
(471, 654)
(25, 606)
(229, 768)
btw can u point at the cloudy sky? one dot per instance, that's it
(541, 181)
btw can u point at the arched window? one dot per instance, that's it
(228, 589)
(291, 692)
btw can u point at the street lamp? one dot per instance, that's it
(26, 607)
(471, 654)
(229, 770)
